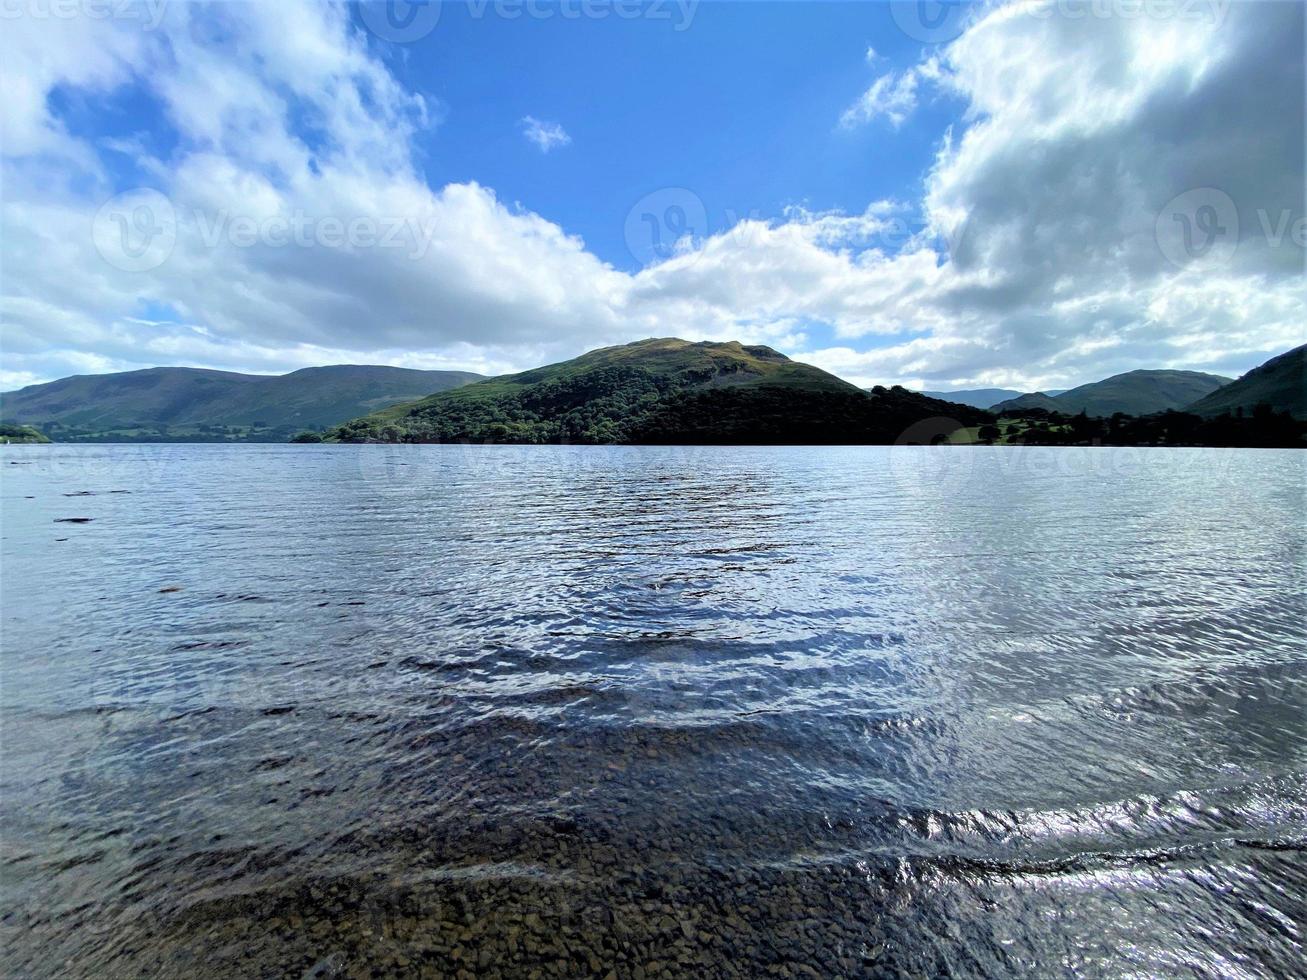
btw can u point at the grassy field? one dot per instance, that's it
(173, 433)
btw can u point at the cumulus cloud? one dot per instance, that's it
(1055, 193)
(545, 135)
(1056, 190)
(300, 231)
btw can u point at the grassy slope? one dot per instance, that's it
(1134, 393)
(660, 390)
(1139, 392)
(20, 434)
(136, 403)
(1281, 383)
(1035, 399)
(669, 357)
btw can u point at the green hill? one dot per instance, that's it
(660, 391)
(1036, 399)
(11, 434)
(183, 404)
(1280, 383)
(1134, 393)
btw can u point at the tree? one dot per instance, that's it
(989, 433)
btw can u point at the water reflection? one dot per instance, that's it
(652, 710)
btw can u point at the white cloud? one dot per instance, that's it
(1033, 262)
(545, 135)
(893, 95)
(40, 54)
(1051, 194)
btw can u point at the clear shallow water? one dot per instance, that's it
(667, 711)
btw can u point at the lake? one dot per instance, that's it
(329, 710)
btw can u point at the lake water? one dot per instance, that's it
(315, 710)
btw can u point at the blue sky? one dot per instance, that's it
(738, 102)
(1037, 195)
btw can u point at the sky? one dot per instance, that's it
(1028, 195)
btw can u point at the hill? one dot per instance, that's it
(975, 397)
(1134, 393)
(661, 391)
(19, 434)
(1036, 399)
(1280, 383)
(185, 404)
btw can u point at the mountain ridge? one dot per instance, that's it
(1141, 392)
(975, 397)
(173, 403)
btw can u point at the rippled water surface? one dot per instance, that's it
(355, 711)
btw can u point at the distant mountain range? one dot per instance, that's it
(1132, 393)
(1280, 383)
(190, 404)
(664, 390)
(661, 391)
(975, 397)
(981, 397)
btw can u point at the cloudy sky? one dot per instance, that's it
(1028, 195)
